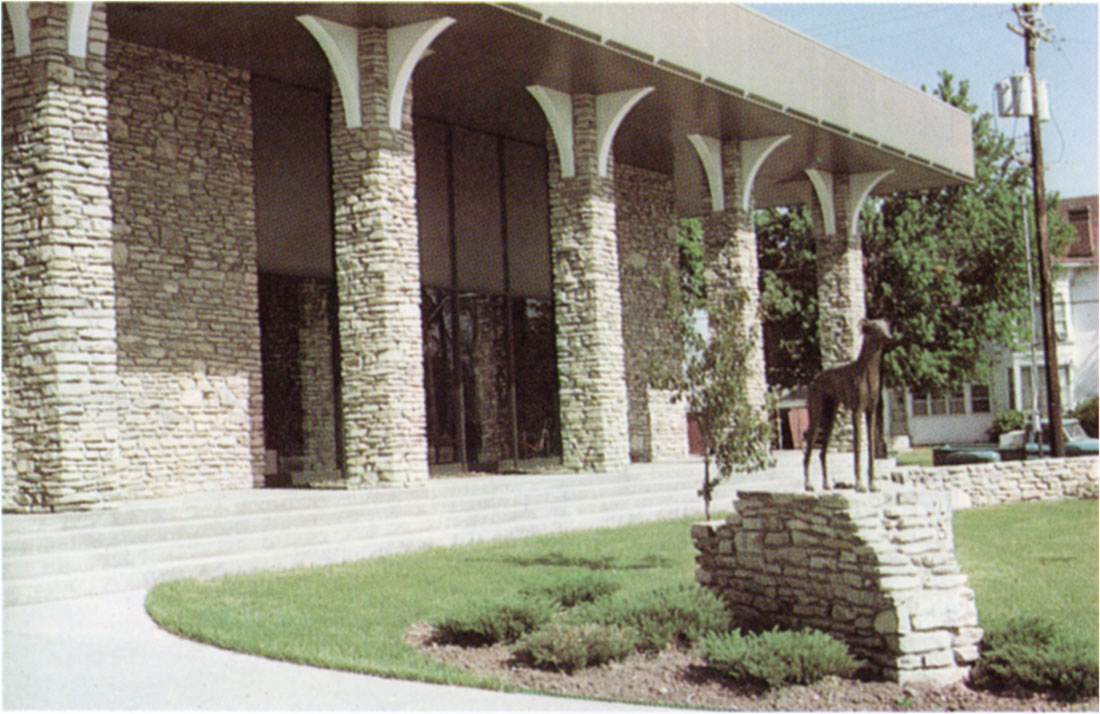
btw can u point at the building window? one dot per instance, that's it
(979, 399)
(920, 404)
(925, 404)
(1060, 318)
(1061, 331)
(1037, 375)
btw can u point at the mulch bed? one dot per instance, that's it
(680, 677)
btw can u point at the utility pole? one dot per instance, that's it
(1032, 29)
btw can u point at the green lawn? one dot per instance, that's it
(1034, 559)
(352, 616)
(1038, 559)
(920, 456)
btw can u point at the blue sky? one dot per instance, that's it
(913, 41)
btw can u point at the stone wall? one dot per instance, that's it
(645, 219)
(190, 403)
(1007, 481)
(877, 570)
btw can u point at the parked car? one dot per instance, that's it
(1018, 445)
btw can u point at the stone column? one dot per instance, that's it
(60, 335)
(378, 281)
(490, 367)
(646, 224)
(588, 307)
(731, 263)
(841, 298)
(317, 379)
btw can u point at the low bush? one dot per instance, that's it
(1034, 654)
(777, 657)
(503, 619)
(1006, 421)
(571, 591)
(567, 647)
(676, 614)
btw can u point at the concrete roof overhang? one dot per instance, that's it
(718, 69)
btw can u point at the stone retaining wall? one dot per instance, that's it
(877, 571)
(1007, 481)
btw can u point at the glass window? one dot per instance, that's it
(1060, 318)
(979, 398)
(920, 404)
(939, 405)
(956, 403)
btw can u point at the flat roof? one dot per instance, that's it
(718, 69)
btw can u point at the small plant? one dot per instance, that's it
(567, 647)
(672, 615)
(1006, 421)
(571, 591)
(499, 620)
(1034, 654)
(778, 657)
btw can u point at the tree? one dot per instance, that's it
(946, 267)
(708, 369)
(788, 295)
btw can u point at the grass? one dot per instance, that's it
(352, 616)
(1037, 559)
(920, 456)
(1033, 559)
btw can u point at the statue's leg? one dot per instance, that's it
(811, 435)
(856, 420)
(872, 440)
(826, 434)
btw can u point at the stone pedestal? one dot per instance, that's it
(877, 571)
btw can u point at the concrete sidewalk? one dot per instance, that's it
(104, 652)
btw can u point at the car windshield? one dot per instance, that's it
(1072, 430)
(1075, 431)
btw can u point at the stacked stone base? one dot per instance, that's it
(877, 571)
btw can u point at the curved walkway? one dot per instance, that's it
(105, 652)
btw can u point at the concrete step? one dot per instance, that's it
(52, 557)
(197, 538)
(24, 537)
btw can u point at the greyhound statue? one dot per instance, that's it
(858, 387)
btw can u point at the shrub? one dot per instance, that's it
(1005, 421)
(1033, 654)
(1087, 413)
(568, 647)
(499, 620)
(777, 657)
(572, 591)
(676, 614)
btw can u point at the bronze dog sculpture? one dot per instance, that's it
(858, 387)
